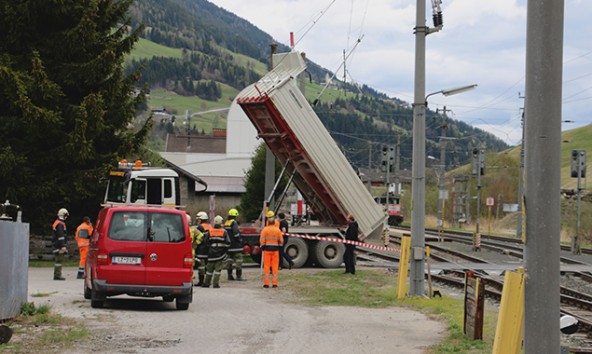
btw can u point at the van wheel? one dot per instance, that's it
(97, 299)
(297, 249)
(328, 254)
(87, 291)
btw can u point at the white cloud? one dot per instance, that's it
(481, 42)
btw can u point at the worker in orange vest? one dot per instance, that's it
(59, 242)
(271, 241)
(83, 234)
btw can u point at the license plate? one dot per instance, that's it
(126, 260)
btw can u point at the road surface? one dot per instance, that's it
(240, 317)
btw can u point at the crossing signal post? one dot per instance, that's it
(578, 170)
(478, 170)
(387, 165)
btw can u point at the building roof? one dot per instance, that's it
(221, 173)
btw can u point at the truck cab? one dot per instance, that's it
(138, 184)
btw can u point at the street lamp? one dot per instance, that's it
(417, 267)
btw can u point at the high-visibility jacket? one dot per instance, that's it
(202, 249)
(231, 226)
(83, 234)
(217, 241)
(59, 234)
(276, 223)
(271, 238)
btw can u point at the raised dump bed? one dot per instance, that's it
(292, 130)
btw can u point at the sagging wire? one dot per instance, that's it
(316, 101)
(314, 22)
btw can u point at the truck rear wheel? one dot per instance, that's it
(328, 254)
(297, 249)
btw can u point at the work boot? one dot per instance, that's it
(58, 278)
(216, 285)
(207, 281)
(239, 275)
(200, 281)
(290, 264)
(230, 277)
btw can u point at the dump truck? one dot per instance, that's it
(285, 120)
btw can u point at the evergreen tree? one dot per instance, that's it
(252, 200)
(65, 103)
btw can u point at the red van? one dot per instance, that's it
(140, 251)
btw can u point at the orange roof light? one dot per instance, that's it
(138, 164)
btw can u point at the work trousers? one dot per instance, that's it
(82, 264)
(348, 259)
(271, 262)
(57, 266)
(213, 270)
(236, 259)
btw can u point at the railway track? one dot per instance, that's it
(573, 302)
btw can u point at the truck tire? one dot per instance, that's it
(297, 249)
(328, 254)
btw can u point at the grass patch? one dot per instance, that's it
(38, 327)
(377, 288)
(35, 263)
(43, 294)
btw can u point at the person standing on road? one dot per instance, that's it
(284, 229)
(59, 243)
(202, 250)
(351, 234)
(235, 252)
(271, 241)
(195, 234)
(218, 242)
(83, 233)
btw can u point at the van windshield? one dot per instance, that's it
(151, 226)
(117, 189)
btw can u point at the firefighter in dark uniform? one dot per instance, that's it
(59, 243)
(235, 252)
(217, 241)
(201, 251)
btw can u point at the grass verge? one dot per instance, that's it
(376, 288)
(38, 330)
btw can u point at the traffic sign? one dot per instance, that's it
(490, 201)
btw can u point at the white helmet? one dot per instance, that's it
(62, 213)
(202, 216)
(218, 220)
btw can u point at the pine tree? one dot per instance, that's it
(65, 103)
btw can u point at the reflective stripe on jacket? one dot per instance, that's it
(271, 238)
(83, 234)
(217, 242)
(59, 234)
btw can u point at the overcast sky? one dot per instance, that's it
(482, 42)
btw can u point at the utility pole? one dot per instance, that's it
(578, 169)
(442, 192)
(520, 180)
(542, 152)
(417, 263)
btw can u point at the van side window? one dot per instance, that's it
(127, 226)
(167, 227)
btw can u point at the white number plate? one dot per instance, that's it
(126, 260)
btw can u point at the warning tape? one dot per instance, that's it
(357, 243)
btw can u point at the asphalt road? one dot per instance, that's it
(240, 317)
